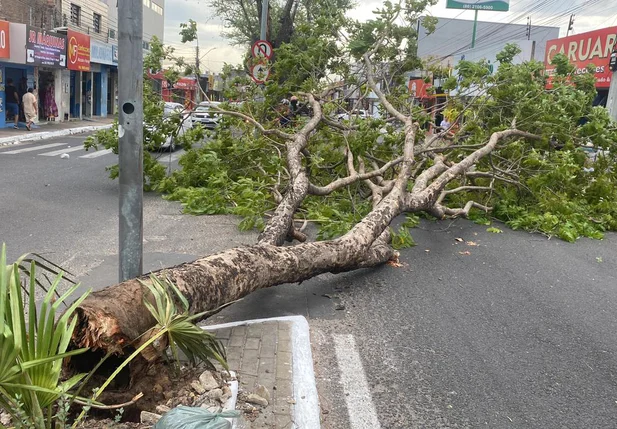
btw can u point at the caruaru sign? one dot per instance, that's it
(492, 5)
(594, 47)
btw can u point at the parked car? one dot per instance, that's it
(205, 115)
(169, 110)
(355, 114)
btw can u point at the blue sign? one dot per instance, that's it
(102, 53)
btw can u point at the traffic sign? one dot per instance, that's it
(260, 73)
(262, 49)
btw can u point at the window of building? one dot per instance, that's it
(147, 3)
(111, 33)
(145, 45)
(96, 22)
(158, 9)
(75, 14)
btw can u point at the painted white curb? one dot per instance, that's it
(29, 136)
(306, 408)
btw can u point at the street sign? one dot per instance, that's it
(262, 49)
(490, 5)
(260, 73)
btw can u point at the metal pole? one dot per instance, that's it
(264, 20)
(611, 102)
(475, 28)
(130, 133)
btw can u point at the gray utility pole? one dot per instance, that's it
(264, 19)
(130, 133)
(611, 103)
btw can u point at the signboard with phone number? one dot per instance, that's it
(492, 5)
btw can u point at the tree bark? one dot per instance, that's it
(111, 318)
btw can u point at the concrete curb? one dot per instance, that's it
(6, 141)
(306, 408)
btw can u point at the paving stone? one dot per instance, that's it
(283, 365)
(236, 341)
(283, 421)
(250, 362)
(248, 382)
(254, 330)
(284, 327)
(234, 352)
(238, 331)
(284, 389)
(284, 345)
(223, 334)
(252, 344)
(282, 408)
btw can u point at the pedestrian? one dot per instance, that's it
(445, 124)
(31, 108)
(12, 102)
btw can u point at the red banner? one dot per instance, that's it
(594, 47)
(78, 51)
(5, 45)
(418, 88)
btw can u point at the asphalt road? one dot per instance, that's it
(509, 331)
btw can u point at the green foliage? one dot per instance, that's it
(181, 333)
(32, 346)
(402, 238)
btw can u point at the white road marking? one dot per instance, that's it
(97, 153)
(171, 158)
(33, 148)
(61, 151)
(362, 414)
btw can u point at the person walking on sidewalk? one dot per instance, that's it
(12, 102)
(30, 108)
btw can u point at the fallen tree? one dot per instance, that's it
(498, 152)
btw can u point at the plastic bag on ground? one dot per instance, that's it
(195, 418)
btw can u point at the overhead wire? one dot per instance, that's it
(512, 34)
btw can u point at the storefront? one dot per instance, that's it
(184, 91)
(103, 66)
(13, 67)
(5, 53)
(46, 54)
(595, 48)
(80, 75)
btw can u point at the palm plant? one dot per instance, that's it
(181, 333)
(33, 345)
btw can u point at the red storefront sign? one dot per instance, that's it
(186, 83)
(594, 47)
(5, 45)
(418, 88)
(78, 51)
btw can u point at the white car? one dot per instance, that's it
(355, 114)
(205, 115)
(169, 110)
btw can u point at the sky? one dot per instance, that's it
(216, 51)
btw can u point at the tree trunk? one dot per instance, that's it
(111, 318)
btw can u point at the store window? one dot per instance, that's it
(96, 22)
(75, 14)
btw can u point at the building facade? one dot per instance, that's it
(454, 36)
(67, 51)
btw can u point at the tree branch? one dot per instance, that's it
(352, 178)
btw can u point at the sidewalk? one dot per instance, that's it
(48, 130)
(274, 353)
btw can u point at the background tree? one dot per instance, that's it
(515, 150)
